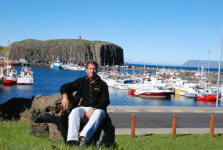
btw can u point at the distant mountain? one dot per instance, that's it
(199, 63)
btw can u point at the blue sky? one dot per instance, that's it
(150, 31)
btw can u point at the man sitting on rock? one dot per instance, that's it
(92, 107)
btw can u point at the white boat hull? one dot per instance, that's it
(25, 81)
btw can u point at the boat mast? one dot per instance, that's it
(219, 69)
(208, 62)
(8, 53)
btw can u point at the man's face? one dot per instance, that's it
(91, 70)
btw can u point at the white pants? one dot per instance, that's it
(76, 116)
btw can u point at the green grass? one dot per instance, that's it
(166, 142)
(14, 135)
(99, 42)
(58, 41)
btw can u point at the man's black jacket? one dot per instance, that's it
(93, 94)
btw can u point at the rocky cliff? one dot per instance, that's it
(68, 51)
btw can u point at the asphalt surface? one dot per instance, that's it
(158, 119)
(164, 120)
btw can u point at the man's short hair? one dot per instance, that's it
(92, 62)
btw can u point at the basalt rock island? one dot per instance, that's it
(67, 50)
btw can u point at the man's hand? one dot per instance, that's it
(65, 101)
(89, 113)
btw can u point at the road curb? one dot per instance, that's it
(171, 109)
(149, 131)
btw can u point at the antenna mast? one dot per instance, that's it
(219, 70)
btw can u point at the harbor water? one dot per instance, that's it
(48, 81)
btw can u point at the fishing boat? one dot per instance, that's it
(191, 94)
(1, 74)
(124, 84)
(25, 77)
(157, 94)
(190, 90)
(56, 65)
(13, 63)
(72, 67)
(154, 93)
(208, 94)
(209, 97)
(179, 91)
(9, 75)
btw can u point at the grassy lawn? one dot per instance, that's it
(14, 135)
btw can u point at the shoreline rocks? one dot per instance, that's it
(13, 107)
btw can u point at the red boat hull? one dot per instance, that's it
(161, 95)
(131, 92)
(209, 97)
(9, 82)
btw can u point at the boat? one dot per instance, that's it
(208, 94)
(4, 61)
(157, 92)
(191, 91)
(9, 75)
(1, 74)
(179, 86)
(72, 67)
(151, 91)
(23, 61)
(13, 63)
(191, 94)
(25, 77)
(124, 84)
(56, 65)
(209, 97)
(179, 91)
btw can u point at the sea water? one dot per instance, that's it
(48, 81)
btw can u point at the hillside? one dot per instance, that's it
(67, 50)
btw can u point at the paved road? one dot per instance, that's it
(158, 119)
(164, 120)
